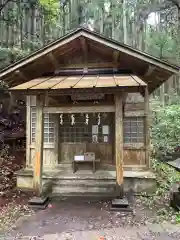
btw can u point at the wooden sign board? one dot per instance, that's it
(92, 96)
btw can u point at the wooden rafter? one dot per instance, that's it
(150, 70)
(89, 65)
(37, 63)
(53, 60)
(84, 49)
(131, 52)
(116, 55)
(21, 75)
(80, 109)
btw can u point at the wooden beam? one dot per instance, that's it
(116, 55)
(85, 50)
(88, 65)
(136, 113)
(21, 75)
(53, 61)
(146, 127)
(134, 146)
(80, 109)
(119, 142)
(71, 91)
(40, 53)
(38, 164)
(150, 70)
(134, 53)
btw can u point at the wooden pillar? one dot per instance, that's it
(119, 143)
(28, 130)
(146, 128)
(38, 164)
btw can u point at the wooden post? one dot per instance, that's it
(37, 180)
(119, 143)
(146, 127)
(28, 130)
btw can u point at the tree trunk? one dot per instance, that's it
(74, 13)
(125, 31)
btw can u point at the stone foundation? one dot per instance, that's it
(61, 183)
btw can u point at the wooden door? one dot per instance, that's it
(68, 150)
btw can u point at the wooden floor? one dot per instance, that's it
(106, 174)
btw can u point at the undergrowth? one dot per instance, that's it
(165, 135)
(11, 213)
(167, 181)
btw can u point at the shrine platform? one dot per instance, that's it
(59, 182)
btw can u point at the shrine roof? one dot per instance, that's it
(88, 45)
(81, 82)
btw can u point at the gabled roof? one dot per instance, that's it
(81, 82)
(151, 69)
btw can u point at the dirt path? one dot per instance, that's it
(90, 220)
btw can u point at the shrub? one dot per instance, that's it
(165, 129)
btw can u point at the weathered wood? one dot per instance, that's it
(150, 70)
(146, 127)
(21, 75)
(38, 164)
(80, 109)
(134, 106)
(135, 98)
(128, 51)
(67, 151)
(40, 54)
(103, 151)
(134, 157)
(138, 113)
(56, 149)
(134, 146)
(84, 47)
(70, 91)
(54, 61)
(88, 65)
(119, 138)
(116, 55)
(78, 82)
(28, 130)
(75, 162)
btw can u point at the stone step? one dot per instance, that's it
(88, 183)
(81, 191)
(79, 185)
(77, 177)
(84, 195)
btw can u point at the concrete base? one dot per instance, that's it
(84, 182)
(38, 202)
(120, 205)
(120, 202)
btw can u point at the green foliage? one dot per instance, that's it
(165, 136)
(167, 178)
(52, 8)
(10, 55)
(165, 126)
(161, 44)
(178, 218)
